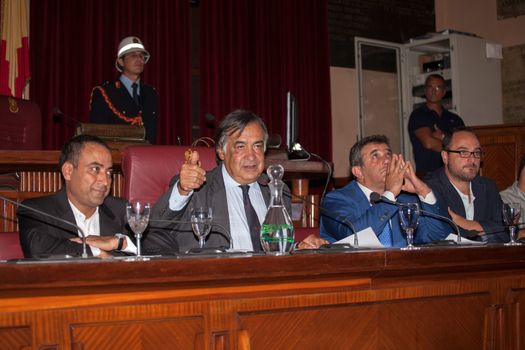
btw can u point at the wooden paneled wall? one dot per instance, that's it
(504, 145)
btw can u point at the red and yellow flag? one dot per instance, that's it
(14, 48)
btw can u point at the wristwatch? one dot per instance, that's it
(121, 239)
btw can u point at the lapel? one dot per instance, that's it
(64, 211)
(453, 200)
(129, 104)
(216, 195)
(362, 202)
(109, 225)
(478, 189)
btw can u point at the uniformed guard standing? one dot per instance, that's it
(127, 100)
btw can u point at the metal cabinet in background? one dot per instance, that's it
(391, 80)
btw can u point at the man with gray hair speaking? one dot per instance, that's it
(234, 190)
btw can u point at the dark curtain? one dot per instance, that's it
(253, 52)
(74, 46)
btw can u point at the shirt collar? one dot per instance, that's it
(127, 83)
(230, 182)
(79, 216)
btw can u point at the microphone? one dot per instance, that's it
(341, 219)
(223, 232)
(211, 121)
(84, 248)
(274, 141)
(61, 118)
(376, 197)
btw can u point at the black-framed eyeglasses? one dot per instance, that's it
(467, 154)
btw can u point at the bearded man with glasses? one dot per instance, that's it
(471, 201)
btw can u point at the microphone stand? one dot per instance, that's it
(18, 204)
(376, 197)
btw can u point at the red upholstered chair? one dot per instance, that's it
(21, 124)
(10, 246)
(148, 169)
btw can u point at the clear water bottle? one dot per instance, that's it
(277, 232)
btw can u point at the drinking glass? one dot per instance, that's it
(409, 217)
(201, 222)
(138, 218)
(511, 217)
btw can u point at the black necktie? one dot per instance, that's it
(135, 86)
(253, 221)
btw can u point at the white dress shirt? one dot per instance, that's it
(239, 231)
(468, 202)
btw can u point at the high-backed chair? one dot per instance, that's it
(148, 169)
(21, 124)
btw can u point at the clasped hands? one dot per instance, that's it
(400, 176)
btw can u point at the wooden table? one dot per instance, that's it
(434, 298)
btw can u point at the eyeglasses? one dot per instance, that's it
(467, 154)
(435, 88)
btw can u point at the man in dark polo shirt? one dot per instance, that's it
(428, 124)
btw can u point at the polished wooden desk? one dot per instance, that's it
(435, 298)
(38, 175)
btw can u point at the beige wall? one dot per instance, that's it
(479, 17)
(344, 119)
(473, 16)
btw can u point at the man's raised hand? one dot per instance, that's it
(191, 176)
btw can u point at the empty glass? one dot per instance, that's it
(201, 222)
(511, 217)
(138, 218)
(409, 217)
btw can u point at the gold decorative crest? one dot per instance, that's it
(13, 105)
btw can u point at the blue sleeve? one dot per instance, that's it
(340, 206)
(432, 229)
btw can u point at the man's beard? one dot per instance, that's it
(461, 175)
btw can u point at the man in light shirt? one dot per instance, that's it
(240, 146)
(87, 167)
(472, 201)
(376, 169)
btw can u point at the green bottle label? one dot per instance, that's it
(269, 228)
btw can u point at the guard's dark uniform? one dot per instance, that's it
(111, 103)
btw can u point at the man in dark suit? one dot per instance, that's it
(376, 169)
(240, 146)
(87, 167)
(472, 201)
(127, 100)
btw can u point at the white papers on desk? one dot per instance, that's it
(366, 238)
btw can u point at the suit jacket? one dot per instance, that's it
(487, 205)
(350, 203)
(42, 236)
(169, 238)
(122, 101)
